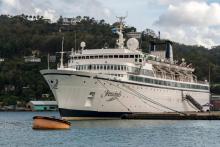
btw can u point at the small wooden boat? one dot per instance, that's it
(49, 123)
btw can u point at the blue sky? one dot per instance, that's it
(195, 22)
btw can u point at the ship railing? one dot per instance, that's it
(170, 78)
(174, 66)
(202, 82)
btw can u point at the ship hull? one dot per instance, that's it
(82, 95)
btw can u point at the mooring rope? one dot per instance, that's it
(117, 98)
(139, 95)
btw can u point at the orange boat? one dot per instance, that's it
(49, 123)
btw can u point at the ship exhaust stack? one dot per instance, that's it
(169, 51)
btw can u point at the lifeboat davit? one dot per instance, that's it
(49, 123)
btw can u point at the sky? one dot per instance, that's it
(192, 22)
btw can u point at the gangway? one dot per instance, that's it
(194, 102)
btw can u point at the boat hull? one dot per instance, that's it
(47, 123)
(85, 95)
(84, 115)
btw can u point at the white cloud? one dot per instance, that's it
(169, 2)
(191, 22)
(52, 9)
(191, 13)
(10, 2)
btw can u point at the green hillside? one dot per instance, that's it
(20, 36)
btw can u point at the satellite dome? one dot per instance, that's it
(83, 44)
(132, 44)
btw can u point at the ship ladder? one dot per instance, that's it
(194, 102)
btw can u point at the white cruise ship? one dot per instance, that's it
(108, 83)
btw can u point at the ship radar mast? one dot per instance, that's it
(61, 58)
(120, 41)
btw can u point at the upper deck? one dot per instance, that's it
(129, 59)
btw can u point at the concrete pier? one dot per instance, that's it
(175, 116)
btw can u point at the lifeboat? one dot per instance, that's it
(49, 123)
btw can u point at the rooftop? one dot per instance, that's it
(43, 102)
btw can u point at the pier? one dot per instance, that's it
(175, 116)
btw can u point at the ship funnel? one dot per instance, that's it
(169, 51)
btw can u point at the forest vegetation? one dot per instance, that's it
(25, 35)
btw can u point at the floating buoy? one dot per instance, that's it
(49, 123)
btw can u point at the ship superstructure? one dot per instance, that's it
(108, 83)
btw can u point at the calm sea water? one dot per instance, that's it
(16, 131)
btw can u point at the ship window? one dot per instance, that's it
(176, 84)
(105, 56)
(96, 57)
(91, 57)
(115, 67)
(187, 86)
(104, 67)
(161, 82)
(112, 67)
(101, 67)
(131, 56)
(136, 56)
(94, 66)
(87, 57)
(110, 56)
(136, 60)
(89, 67)
(75, 57)
(131, 78)
(118, 67)
(98, 67)
(139, 79)
(125, 56)
(120, 56)
(147, 80)
(122, 67)
(83, 57)
(108, 67)
(100, 56)
(168, 84)
(140, 60)
(182, 85)
(115, 56)
(79, 57)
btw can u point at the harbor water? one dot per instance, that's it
(16, 131)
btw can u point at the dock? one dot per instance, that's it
(174, 116)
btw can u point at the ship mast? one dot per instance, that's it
(61, 58)
(120, 41)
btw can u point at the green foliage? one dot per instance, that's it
(9, 99)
